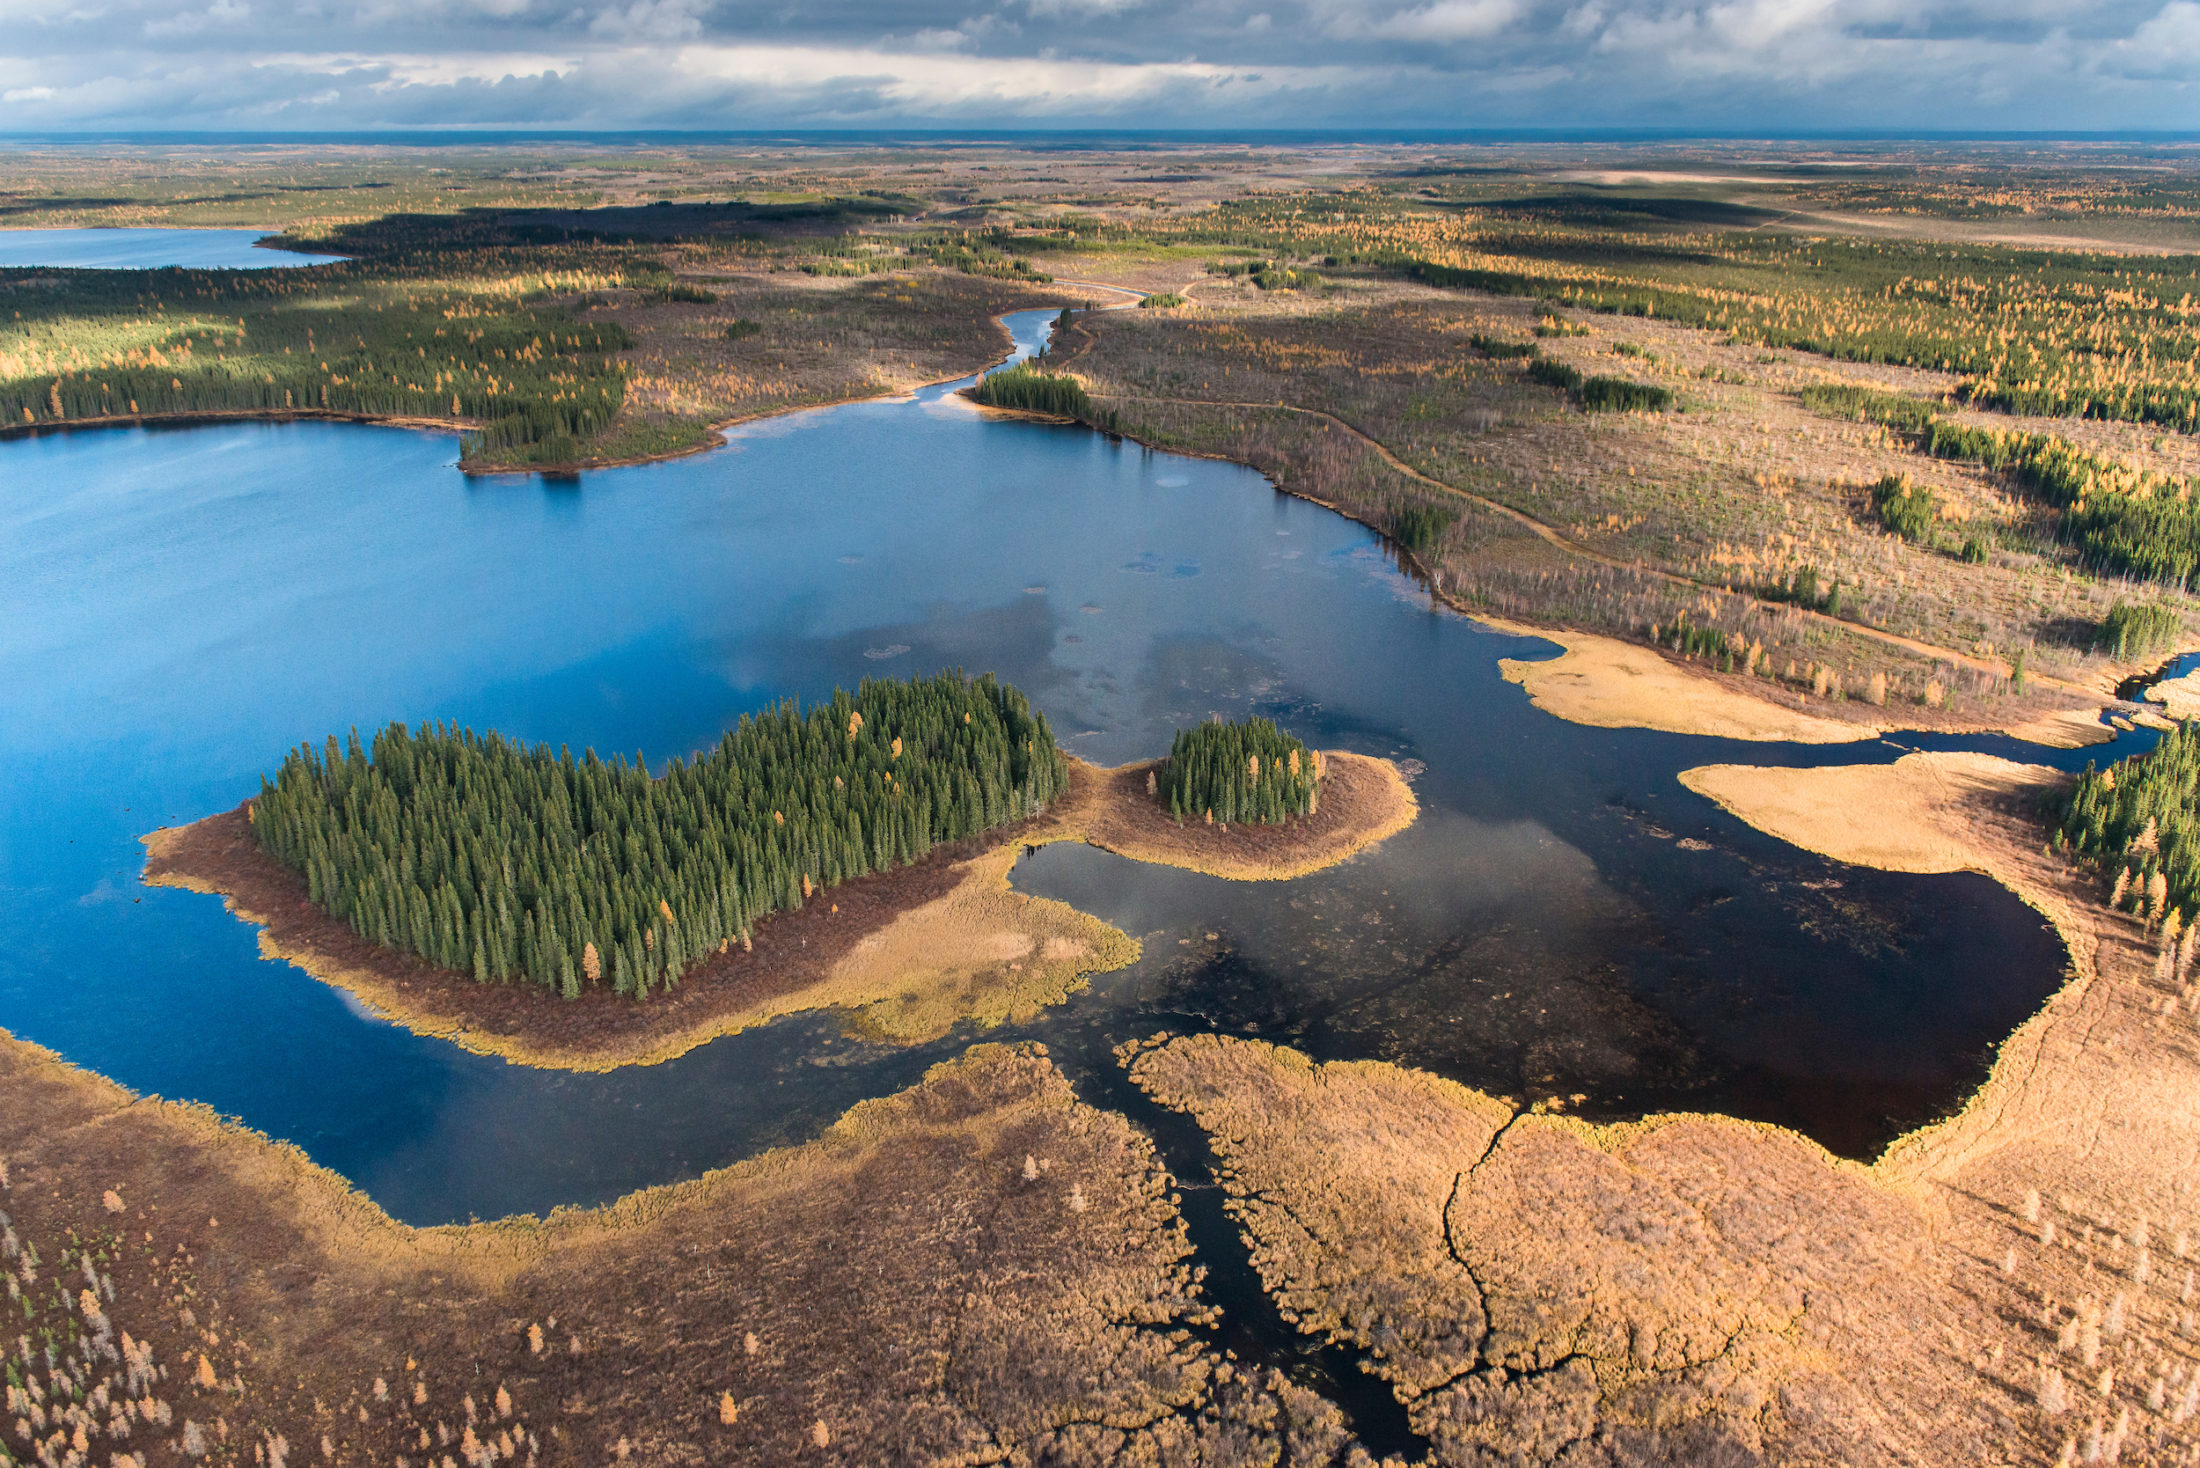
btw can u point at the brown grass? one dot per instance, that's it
(899, 1280)
(1701, 1289)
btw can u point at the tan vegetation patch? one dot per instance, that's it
(2064, 729)
(1618, 685)
(1522, 1280)
(2179, 697)
(982, 952)
(1908, 816)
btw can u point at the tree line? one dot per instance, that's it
(2141, 818)
(1246, 771)
(1026, 388)
(2119, 518)
(512, 862)
(372, 338)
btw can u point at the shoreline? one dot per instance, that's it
(916, 951)
(714, 432)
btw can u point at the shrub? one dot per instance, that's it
(2134, 630)
(1499, 348)
(1162, 301)
(671, 291)
(1553, 373)
(735, 331)
(1865, 405)
(1248, 771)
(1909, 510)
(1618, 395)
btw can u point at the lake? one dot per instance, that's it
(147, 249)
(178, 607)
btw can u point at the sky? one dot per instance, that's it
(1736, 65)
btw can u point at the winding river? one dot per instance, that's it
(177, 607)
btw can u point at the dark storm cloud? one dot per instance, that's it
(733, 63)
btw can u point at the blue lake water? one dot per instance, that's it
(178, 607)
(146, 249)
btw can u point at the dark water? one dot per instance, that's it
(146, 249)
(176, 608)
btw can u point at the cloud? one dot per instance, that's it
(2168, 45)
(1886, 64)
(1449, 20)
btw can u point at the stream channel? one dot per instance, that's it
(178, 607)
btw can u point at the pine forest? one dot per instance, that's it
(512, 862)
(2141, 817)
(1250, 771)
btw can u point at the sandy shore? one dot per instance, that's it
(905, 955)
(1908, 816)
(1611, 684)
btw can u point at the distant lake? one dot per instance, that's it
(180, 606)
(148, 249)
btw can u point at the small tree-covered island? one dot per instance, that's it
(1240, 772)
(851, 855)
(512, 862)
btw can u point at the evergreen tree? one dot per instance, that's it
(1250, 771)
(516, 863)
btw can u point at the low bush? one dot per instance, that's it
(1498, 347)
(1909, 510)
(1553, 373)
(1618, 395)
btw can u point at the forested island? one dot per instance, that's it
(579, 912)
(1245, 771)
(513, 862)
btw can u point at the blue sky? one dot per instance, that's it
(296, 65)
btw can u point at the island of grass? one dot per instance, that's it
(580, 914)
